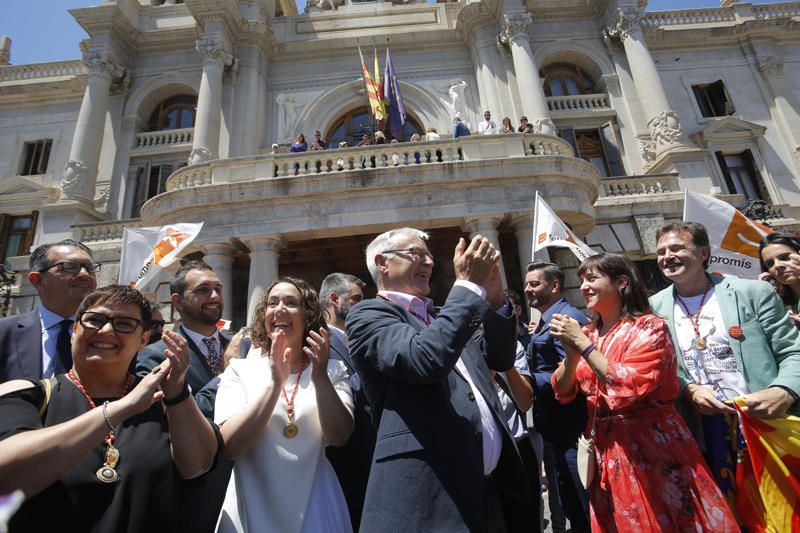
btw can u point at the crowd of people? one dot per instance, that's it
(337, 413)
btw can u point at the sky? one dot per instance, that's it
(37, 39)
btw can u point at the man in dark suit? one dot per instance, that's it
(36, 345)
(444, 452)
(338, 294)
(559, 425)
(196, 293)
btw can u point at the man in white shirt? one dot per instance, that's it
(36, 345)
(487, 126)
(442, 437)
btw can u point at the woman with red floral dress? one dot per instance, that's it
(650, 474)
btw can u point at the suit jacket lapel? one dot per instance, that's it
(198, 361)
(28, 341)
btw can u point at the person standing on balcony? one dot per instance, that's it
(487, 126)
(459, 128)
(316, 145)
(506, 127)
(299, 145)
(524, 125)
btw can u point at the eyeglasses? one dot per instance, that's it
(417, 253)
(154, 324)
(73, 267)
(121, 324)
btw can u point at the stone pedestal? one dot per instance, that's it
(264, 253)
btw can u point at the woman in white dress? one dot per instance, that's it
(277, 410)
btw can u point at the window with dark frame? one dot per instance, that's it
(564, 79)
(742, 176)
(16, 235)
(599, 146)
(35, 157)
(713, 99)
(174, 113)
(151, 179)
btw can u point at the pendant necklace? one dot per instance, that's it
(106, 473)
(698, 342)
(291, 429)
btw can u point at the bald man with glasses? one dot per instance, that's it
(36, 345)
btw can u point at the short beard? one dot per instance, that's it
(342, 310)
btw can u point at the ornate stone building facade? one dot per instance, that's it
(171, 113)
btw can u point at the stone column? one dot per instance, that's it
(219, 256)
(665, 128)
(531, 92)
(247, 131)
(484, 42)
(264, 252)
(523, 230)
(209, 101)
(786, 112)
(487, 227)
(80, 172)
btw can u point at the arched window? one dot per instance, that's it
(174, 113)
(358, 122)
(563, 79)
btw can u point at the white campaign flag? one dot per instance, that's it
(147, 251)
(733, 237)
(549, 230)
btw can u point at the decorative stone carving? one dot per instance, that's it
(771, 67)
(625, 22)
(77, 181)
(102, 65)
(323, 5)
(543, 125)
(213, 51)
(289, 108)
(515, 25)
(199, 155)
(647, 147)
(455, 101)
(120, 85)
(101, 200)
(761, 211)
(665, 130)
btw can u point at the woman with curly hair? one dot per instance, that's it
(277, 410)
(780, 265)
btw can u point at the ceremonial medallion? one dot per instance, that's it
(106, 474)
(700, 343)
(290, 431)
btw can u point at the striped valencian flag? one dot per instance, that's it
(375, 101)
(768, 479)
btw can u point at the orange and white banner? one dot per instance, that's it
(147, 251)
(549, 230)
(733, 237)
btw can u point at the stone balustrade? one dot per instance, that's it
(105, 231)
(581, 102)
(151, 139)
(42, 70)
(363, 158)
(640, 185)
(688, 16)
(790, 9)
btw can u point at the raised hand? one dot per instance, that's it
(317, 351)
(146, 392)
(178, 354)
(475, 262)
(568, 331)
(280, 357)
(495, 293)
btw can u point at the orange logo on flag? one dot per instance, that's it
(542, 238)
(743, 235)
(168, 244)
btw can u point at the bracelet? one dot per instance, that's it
(105, 415)
(589, 349)
(169, 402)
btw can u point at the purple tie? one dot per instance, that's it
(213, 358)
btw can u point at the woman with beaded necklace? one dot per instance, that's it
(277, 410)
(97, 449)
(650, 473)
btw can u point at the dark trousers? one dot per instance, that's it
(202, 498)
(574, 498)
(525, 517)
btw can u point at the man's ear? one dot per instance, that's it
(35, 279)
(176, 300)
(380, 262)
(333, 298)
(556, 286)
(705, 253)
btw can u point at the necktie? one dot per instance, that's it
(63, 356)
(213, 357)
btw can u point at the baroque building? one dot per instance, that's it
(171, 113)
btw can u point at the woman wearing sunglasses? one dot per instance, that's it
(97, 449)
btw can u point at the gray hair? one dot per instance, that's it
(387, 241)
(338, 283)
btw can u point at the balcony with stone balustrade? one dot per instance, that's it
(163, 142)
(580, 105)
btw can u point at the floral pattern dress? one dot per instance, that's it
(650, 474)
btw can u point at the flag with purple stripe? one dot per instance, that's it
(393, 98)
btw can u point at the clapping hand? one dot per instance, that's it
(280, 358)
(568, 331)
(178, 354)
(475, 262)
(318, 351)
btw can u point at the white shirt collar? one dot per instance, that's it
(197, 338)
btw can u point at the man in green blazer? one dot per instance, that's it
(732, 337)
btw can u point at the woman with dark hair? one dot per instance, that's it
(650, 474)
(780, 265)
(277, 410)
(507, 127)
(97, 449)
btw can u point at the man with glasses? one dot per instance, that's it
(444, 458)
(156, 326)
(487, 126)
(36, 345)
(196, 294)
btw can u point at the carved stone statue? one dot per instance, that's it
(455, 102)
(288, 106)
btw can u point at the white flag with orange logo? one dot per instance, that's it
(147, 251)
(733, 237)
(549, 230)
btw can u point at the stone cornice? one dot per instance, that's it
(120, 20)
(224, 12)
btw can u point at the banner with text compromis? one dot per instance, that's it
(549, 230)
(147, 251)
(733, 237)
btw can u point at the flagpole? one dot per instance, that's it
(535, 218)
(366, 87)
